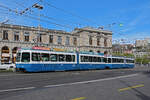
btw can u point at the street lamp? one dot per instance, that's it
(39, 7)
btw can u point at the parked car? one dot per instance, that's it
(7, 66)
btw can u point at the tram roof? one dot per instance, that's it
(120, 57)
(29, 49)
(88, 53)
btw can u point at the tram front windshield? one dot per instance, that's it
(25, 57)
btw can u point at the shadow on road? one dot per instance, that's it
(147, 73)
(139, 94)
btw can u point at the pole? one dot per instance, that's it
(38, 35)
(39, 7)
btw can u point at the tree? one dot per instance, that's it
(143, 60)
(123, 55)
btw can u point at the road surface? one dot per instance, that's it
(116, 84)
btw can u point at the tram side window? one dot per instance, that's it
(53, 57)
(18, 57)
(35, 56)
(130, 61)
(120, 60)
(70, 58)
(86, 59)
(61, 58)
(94, 59)
(73, 58)
(109, 60)
(90, 59)
(114, 60)
(99, 59)
(82, 58)
(45, 57)
(25, 57)
(105, 60)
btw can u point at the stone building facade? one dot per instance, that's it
(94, 40)
(142, 43)
(80, 39)
(142, 47)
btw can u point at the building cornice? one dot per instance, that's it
(27, 28)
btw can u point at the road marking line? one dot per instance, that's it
(128, 88)
(9, 90)
(16, 75)
(92, 81)
(81, 98)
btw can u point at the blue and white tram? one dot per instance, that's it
(129, 62)
(119, 62)
(91, 61)
(40, 60)
(29, 60)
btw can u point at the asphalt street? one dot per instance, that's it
(116, 84)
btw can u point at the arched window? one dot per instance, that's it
(5, 57)
(5, 49)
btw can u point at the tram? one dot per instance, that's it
(32, 60)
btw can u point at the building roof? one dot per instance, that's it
(90, 29)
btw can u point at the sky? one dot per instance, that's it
(128, 20)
